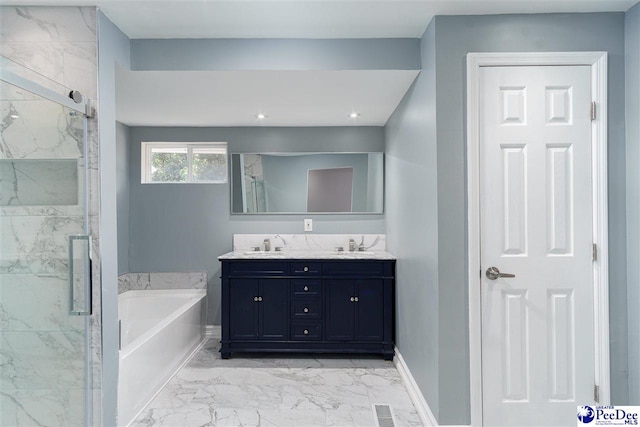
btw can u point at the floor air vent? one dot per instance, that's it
(383, 416)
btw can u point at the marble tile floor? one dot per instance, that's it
(263, 390)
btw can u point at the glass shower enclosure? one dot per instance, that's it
(45, 264)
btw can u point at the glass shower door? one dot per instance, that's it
(44, 260)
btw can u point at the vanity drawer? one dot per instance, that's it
(308, 331)
(255, 268)
(305, 268)
(303, 309)
(357, 268)
(307, 287)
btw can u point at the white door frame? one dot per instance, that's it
(598, 63)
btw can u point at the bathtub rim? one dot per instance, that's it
(139, 341)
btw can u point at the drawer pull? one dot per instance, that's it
(306, 269)
(306, 332)
(260, 299)
(356, 299)
(352, 299)
(306, 289)
(306, 310)
(255, 299)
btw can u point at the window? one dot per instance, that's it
(198, 162)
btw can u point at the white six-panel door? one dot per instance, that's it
(536, 223)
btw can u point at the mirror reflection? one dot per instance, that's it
(307, 183)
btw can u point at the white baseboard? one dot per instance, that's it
(426, 416)
(212, 331)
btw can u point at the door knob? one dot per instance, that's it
(493, 273)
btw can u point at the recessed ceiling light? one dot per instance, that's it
(14, 116)
(261, 116)
(354, 115)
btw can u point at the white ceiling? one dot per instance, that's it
(316, 19)
(233, 98)
(306, 18)
(312, 98)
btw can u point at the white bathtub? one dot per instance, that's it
(159, 331)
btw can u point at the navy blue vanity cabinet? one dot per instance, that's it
(310, 306)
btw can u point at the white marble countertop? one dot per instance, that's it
(308, 254)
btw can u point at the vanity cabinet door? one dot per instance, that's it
(274, 310)
(355, 310)
(340, 303)
(243, 310)
(259, 309)
(370, 310)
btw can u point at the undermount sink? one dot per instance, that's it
(356, 253)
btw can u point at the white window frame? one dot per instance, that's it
(145, 160)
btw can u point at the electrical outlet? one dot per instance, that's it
(308, 225)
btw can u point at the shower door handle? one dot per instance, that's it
(85, 278)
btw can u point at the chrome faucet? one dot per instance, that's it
(352, 245)
(266, 245)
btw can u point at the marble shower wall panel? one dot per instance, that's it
(41, 407)
(42, 360)
(37, 245)
(39, 130)
(36, 303)
(44, 383)
(57, 42)
(39, 182)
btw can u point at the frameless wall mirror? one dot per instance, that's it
(268, 183)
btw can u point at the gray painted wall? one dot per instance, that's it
(113, 46)
(554, 32)
(275, 54)
(122, 190)
(632, 126)
(181, 227)
(411, 217)
(415, 134)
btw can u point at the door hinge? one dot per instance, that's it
(596, 394)
(593, 110)
(594, 251)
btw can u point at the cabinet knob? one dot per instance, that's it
(306, 289)
(306, 310)
(260, 299)
(306, 269)
(306, 332)
(255, 299)
(356, 299)
(352, 299)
